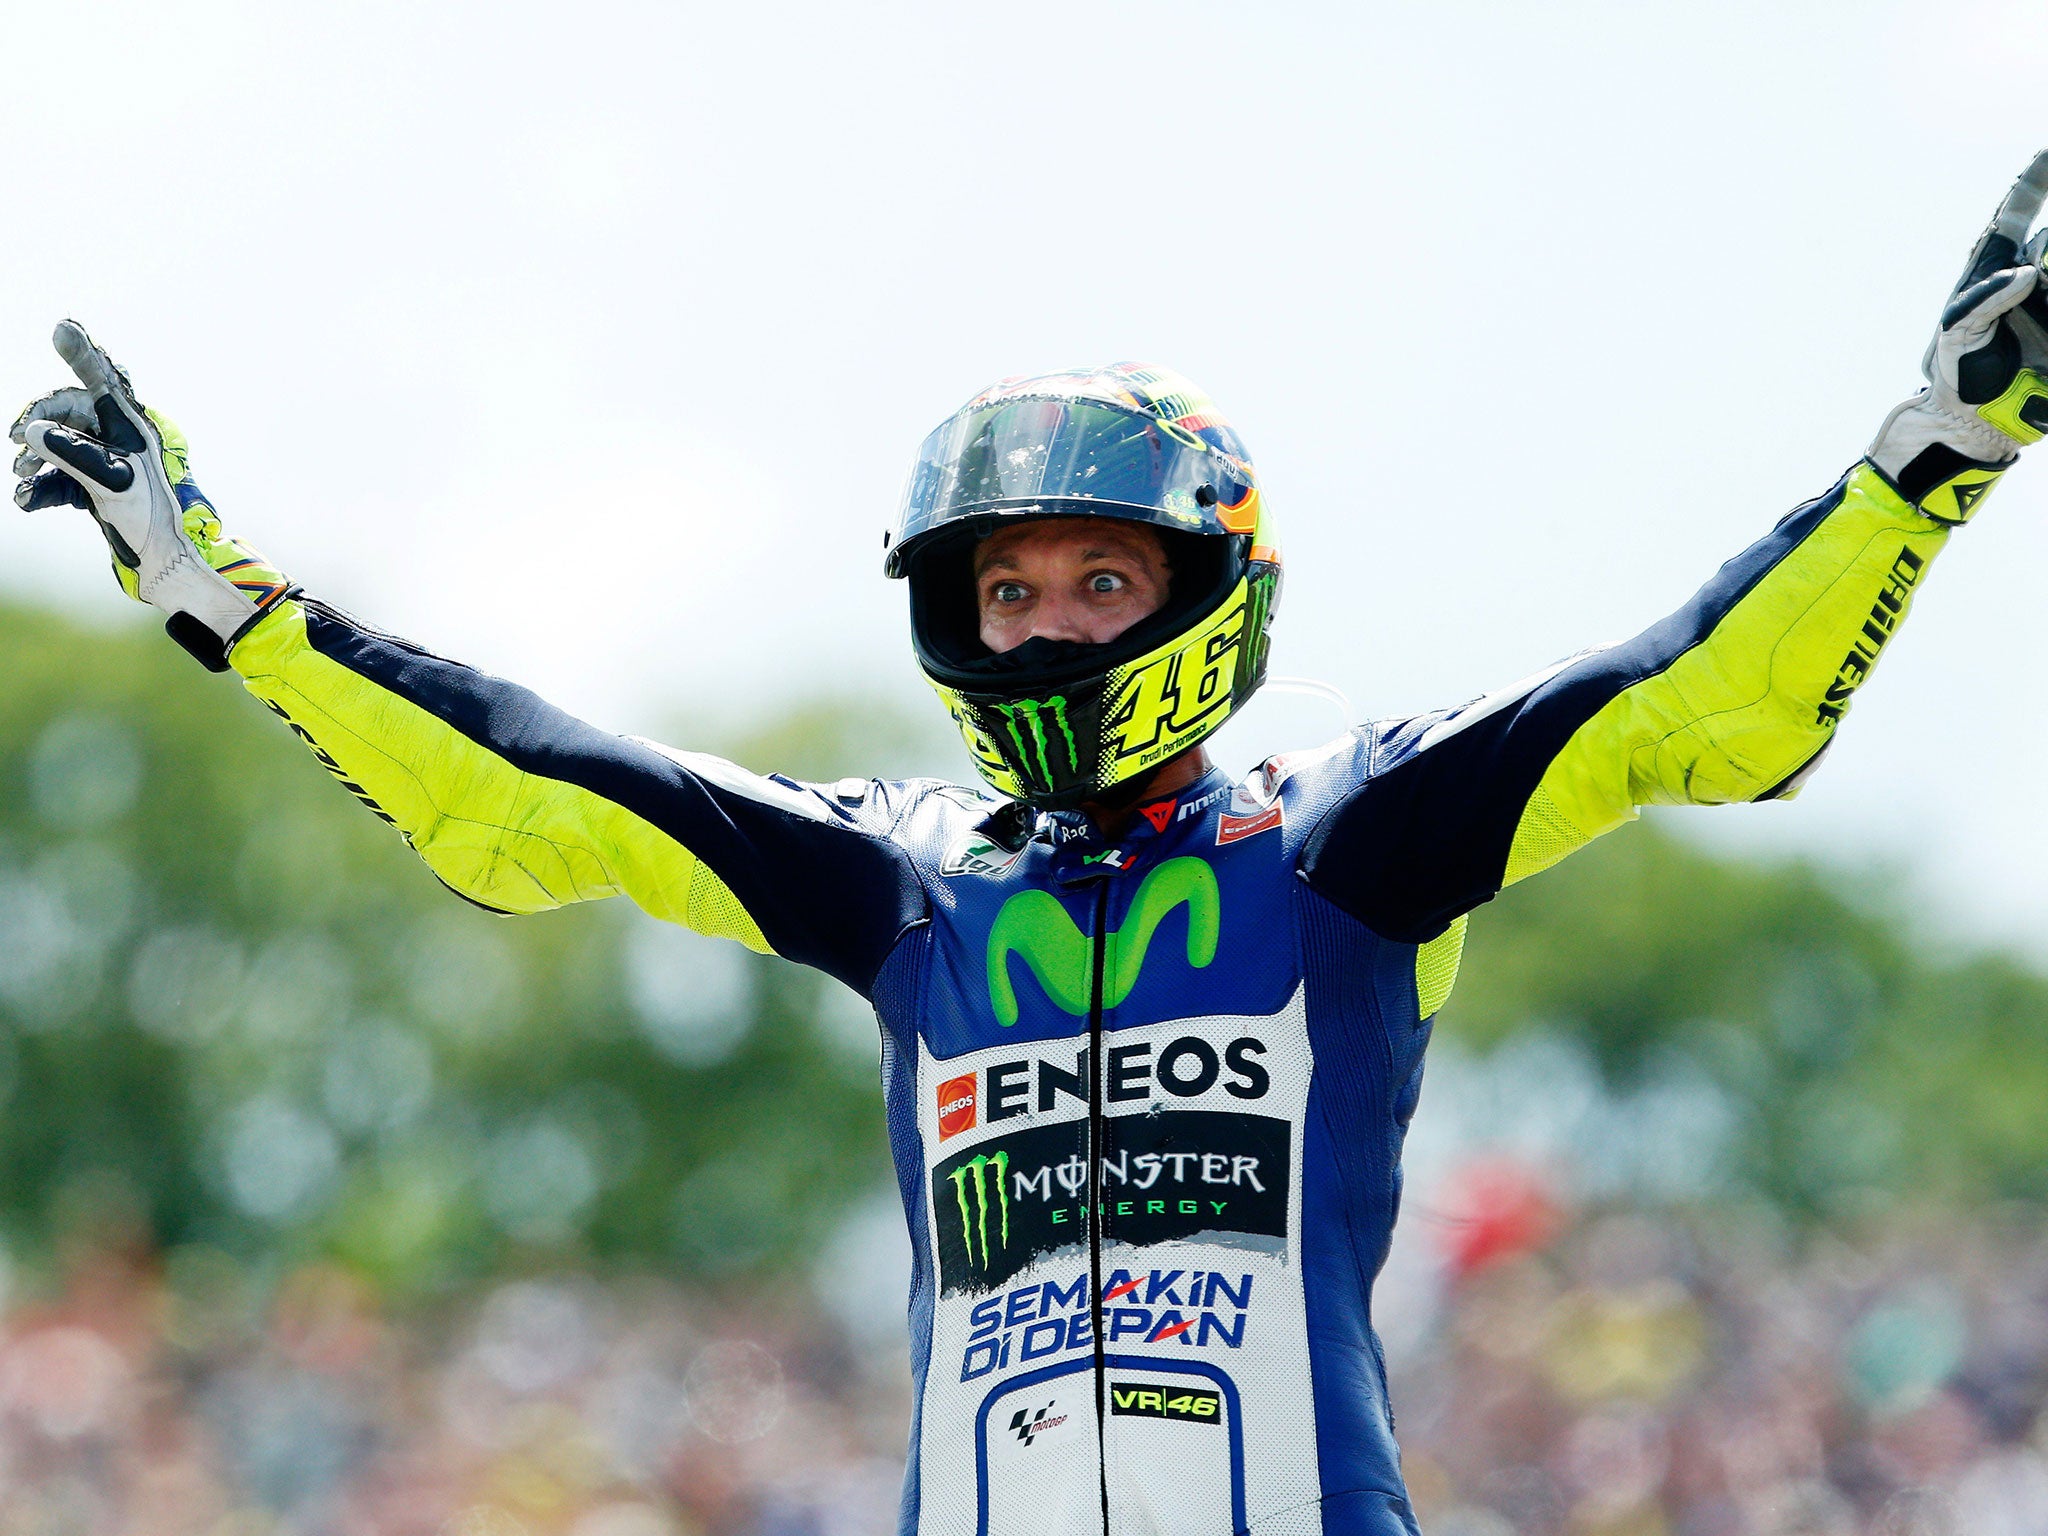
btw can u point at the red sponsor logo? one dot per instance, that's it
(1159, 813)
(1233, 829)
(956, 1106)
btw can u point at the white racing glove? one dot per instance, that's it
(99, 448)
(1987, 369)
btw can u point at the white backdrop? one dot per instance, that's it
(591, 343)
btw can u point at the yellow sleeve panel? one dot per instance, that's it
(1736, 715)
(1436, 967)
(505, 838)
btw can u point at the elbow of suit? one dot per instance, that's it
(482, 875)
(1772, 761)
(1788, 787)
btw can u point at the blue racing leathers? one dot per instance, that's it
(1146, 1094)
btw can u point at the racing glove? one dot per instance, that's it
(1987, 369)
(101, 449)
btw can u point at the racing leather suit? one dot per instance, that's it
(1146, 1097)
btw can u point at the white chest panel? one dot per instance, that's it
(1207, 1418)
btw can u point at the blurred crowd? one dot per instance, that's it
(183, 1395)
(1618, 1373)
(1640, 1375)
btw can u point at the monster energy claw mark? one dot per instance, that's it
(970, 1172)
(1031, 714)
(1059, 714)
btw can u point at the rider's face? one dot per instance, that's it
(1068, 578)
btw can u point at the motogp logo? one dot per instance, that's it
(1025, 1424)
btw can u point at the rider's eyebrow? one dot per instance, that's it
(1002, 560)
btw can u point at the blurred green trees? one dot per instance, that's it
(236, 1010)
(1863, 1053)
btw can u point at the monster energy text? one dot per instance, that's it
(1164, 1177)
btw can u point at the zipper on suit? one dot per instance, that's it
(1095, 1202)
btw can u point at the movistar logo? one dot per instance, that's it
(1033, 925)
(1036, 727)
(973, 1174)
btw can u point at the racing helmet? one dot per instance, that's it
(1055, 723)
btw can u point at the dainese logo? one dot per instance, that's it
(956, 1105)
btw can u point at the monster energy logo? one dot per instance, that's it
(970, 1173)
(1165, 1176)
(1026, 722)
(1259, 600)
(1033, 925)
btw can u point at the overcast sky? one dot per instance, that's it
(591, 343)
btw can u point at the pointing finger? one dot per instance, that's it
(2022, 204)
(2000, 244)
(95, 370)
(120, 419)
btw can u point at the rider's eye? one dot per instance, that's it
(1106, 581)
(1007, 592)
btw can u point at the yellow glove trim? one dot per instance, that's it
(2021, 413)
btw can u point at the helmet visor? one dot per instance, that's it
(1037, 456)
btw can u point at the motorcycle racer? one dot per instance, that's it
(1151, 1037)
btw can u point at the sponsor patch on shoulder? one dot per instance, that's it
(1276, 771)
(1232, 827)
(978, 854)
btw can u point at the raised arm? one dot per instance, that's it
(1738, 694)
(512, 803)
(520, 807)
(1733, 697)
